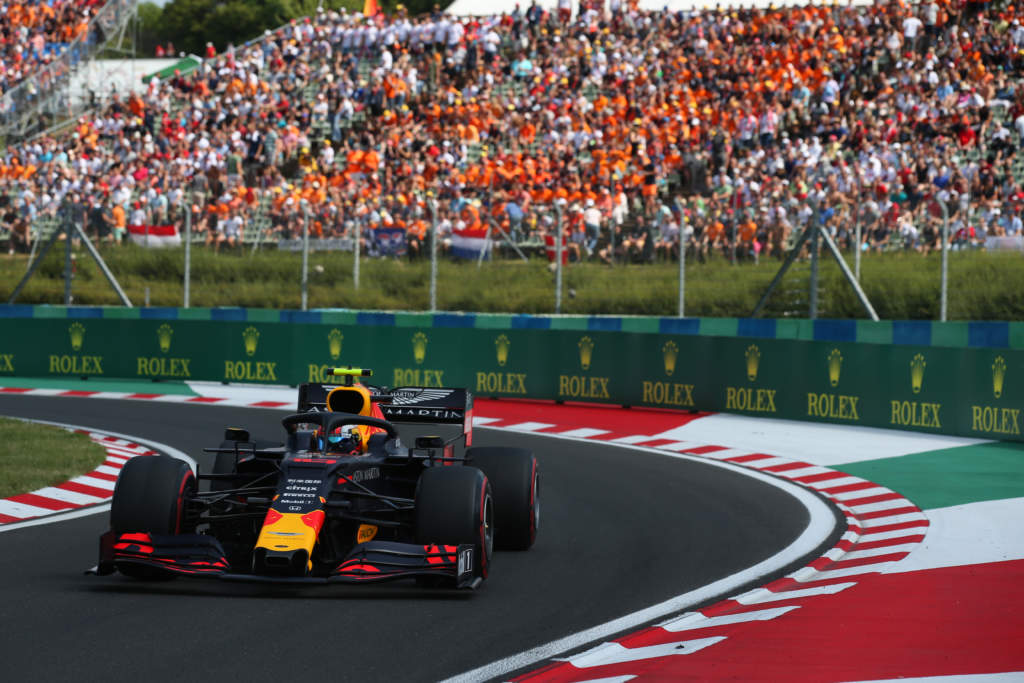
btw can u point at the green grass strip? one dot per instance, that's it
(33, 456)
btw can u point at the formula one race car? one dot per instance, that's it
(343, 500)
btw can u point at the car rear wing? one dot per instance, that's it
(405, 405)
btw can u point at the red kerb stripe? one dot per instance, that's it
(895, 527)
(749, 458)
(871, 499)
(269, 404)
(824, 476)
(4, 519)
(77, 392)
(786, 466)
(887, 513)
(86, 489)
(701, 450)
(867, 545)
(850, 487)
(203, 399)
(41, 502)
(13, 390)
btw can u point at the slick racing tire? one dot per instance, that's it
(515, 481)
(454, 505)
(150, 495)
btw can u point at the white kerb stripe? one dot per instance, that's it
(116, 460)
(849, 571)
(633, 439)
(761, 595)
(107, 469)
(677, 446)
(881, 505)
(478, 420)
(885, 550)
(20, 510)
(765, 462)
(727, 453)
(892, 519)
(583, 432)
(529, 426)
(898, 533)
(695, 620)
(805, 472)
(614, 653)
(835, 483)
(92, 481)
(862, 493)
(73, 497)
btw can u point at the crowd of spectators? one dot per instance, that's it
(626, 127)
(33, 33)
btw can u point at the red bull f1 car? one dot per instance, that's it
(342, 500)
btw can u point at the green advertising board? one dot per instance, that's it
(940, 389)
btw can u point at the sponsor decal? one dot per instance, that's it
(998, 376)
(749, 399)
(576, 386)
(916, 413)
(465, 562)
(668, 394)
(334, 340)
(367, 474)
(917, 366)
(157, 366)
(586, 347)
(407, 396)
(418, 377)
(403, 412)
(669, 353)
(419, 347)
(501, 382)
(250, 370)
(251, 337)
(68, 364)
(502, 346)
(996, 420)
(366, 533)
(753, 356)
(833, 406)
(7, 362)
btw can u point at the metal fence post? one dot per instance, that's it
(815, 227)
(856, 230)
(682, 259)
(68, 232)
(944, 297)
(433, 254)
(355, 266)
(188, 250)
(305, 255)
(558, 258)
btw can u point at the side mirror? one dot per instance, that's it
(429, 442)
(236, 434)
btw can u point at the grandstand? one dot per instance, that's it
(728, 124)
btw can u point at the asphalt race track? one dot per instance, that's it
(620, 530)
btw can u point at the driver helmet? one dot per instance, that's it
(344, 440)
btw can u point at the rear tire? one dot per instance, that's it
(515, 480)
(454, 506)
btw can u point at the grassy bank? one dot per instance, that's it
(33, 456)
(983, 286)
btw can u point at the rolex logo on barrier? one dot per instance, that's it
(917, 366)
(74, 364)
(668, 394)
(250, 370)
(162, 367)
(916, 413)
(586, 346)
(251, 337)
(997, 420)
(584, 386)
(419, 347)
(418, 377)
(163, 335)
(502, 344)
(753, 355)
(833, 406)
(334, 339)
(998, 375)
(495, 383)
(669, 353)
(835, 365)
(77, 333)
(749, 399)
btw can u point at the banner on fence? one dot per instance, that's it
(317, 244)
(154, 235)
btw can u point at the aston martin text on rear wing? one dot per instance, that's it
(418, 405)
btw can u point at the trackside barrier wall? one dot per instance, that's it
(951, 378)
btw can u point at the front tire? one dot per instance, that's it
(515, 479)
(454, 505)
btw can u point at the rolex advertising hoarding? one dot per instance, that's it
(940, 389)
